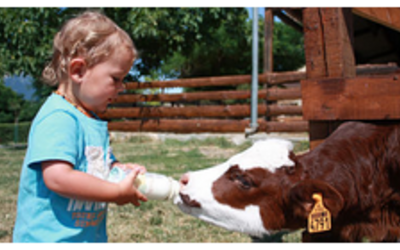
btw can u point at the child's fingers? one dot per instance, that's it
(135, 166)
(132, 177)
(136, 203)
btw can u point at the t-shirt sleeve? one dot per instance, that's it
(113, 158)
(55, 137)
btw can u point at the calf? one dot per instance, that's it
(268, 188)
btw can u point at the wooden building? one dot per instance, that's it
(336, 41)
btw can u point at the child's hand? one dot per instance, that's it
(127, 191)
(130, 166)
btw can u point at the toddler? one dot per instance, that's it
(63, 193)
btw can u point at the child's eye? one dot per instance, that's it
(116, 79)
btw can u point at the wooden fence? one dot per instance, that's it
(220, 111)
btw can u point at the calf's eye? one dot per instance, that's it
(244, 182)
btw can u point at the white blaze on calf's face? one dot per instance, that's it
(266, 154)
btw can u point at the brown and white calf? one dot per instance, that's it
(268, 188)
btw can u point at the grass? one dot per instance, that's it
(153, 221)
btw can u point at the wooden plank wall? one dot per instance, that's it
(220, 111)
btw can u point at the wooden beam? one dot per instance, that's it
(272, 94)
(205, 126)
(314, 58)
(295, 14)
(328, 47)
(360, 98)
(196, 82)
(389, 17)
(376, 69)
(329, 53)
(314, 43)
(289, 21)
(222, 111)
(268, 35)
(270, 78)
(339, 53)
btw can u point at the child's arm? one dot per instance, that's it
(60, 177)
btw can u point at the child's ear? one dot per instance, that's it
(77, 69)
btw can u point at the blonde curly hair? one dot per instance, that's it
(92, 36)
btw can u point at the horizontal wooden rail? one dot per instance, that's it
(359, 98)
(200, 111)
(199, 119)
(206, 126)
(272, 94)
(270, 78)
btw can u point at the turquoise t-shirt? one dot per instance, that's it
(61, 132)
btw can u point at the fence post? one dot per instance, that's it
(254, 78)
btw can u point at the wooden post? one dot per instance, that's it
(268, 52)
(329, 53)
(268, 35)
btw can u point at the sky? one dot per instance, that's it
(260, 11)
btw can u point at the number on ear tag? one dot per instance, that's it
(319, 219)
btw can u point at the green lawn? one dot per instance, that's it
(153, 221)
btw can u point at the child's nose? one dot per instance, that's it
(121, 87)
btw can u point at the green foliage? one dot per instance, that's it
(26, 36)
(225, 51)
(288, 48)
(10, 104)
(228, 51)
(7, 132)
(159, 33)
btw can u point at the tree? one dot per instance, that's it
(179, 42)
(159, 33)
(288, 48)
(10, 104)
(228, 52)
(26, 34)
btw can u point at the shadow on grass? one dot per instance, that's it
(15, 146)
(3, 233)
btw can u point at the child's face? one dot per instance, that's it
(102, 82)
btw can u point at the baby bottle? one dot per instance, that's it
(153, 186)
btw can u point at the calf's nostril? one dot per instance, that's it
(184, 180)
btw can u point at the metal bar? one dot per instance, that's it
(254, 77)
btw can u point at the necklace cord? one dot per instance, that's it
(82, 110)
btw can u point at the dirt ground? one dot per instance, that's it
(236, 138)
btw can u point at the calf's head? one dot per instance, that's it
(250, 192)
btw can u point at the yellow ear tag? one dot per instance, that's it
(319, 219)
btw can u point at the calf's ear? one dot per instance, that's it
(301, 201)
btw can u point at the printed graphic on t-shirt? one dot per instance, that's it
(95, 162)
(88, 213)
